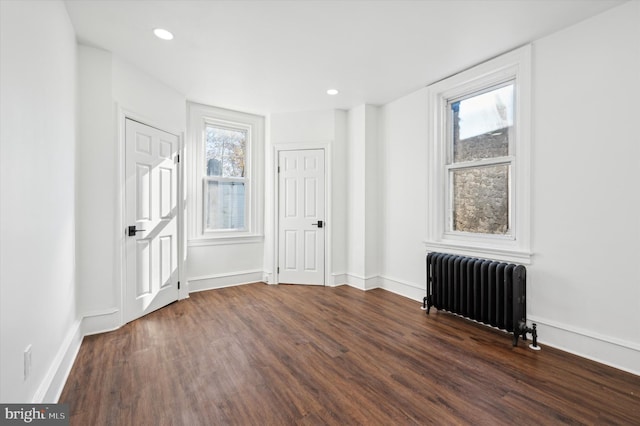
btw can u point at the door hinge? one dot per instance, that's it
(178, 285)
(278, 269)
(177, 158)
(278, 169)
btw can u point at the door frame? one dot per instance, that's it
(121, 256)
(277, 148)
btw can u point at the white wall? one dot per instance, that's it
(372, 191)
(304, 126)
(339, 197)
(216, 266)
(97, 192)
(37, 218)
(356, 199)
(584, 280)
(403, 194)
(109, 88)
(151, 100)
(362, 197)
(299, 129)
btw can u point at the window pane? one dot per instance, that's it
(481, 199)
(482, 124)
(225, 151)
(224, 205)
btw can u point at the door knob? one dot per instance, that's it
(319, 224)
(132, 231)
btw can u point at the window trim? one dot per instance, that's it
(199, 117)
(513, 66)
(246, 179)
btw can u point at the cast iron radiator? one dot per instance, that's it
(486, 291)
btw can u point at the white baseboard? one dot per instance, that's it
(53, 383)
(51, 386)
(212, 282)
(402, 288)
(617, 353)
(101, 321)
(337, 279)
(362, 283)
(394, 285)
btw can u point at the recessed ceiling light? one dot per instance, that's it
(332, 92)
(163, 34)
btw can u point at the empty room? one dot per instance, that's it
(320, 212)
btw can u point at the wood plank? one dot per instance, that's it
(258, 354)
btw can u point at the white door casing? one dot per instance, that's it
(301, 217)
(151, 200)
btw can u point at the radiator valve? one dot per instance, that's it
(534, 335)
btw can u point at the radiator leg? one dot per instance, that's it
(534, 336)
(522, 331)
(426, 304)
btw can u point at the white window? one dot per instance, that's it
(226, 156)
(479, 155)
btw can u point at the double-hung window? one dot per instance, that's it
(227, 179)
(225, 187)
(479, 160)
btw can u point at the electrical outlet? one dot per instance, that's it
(27, 362)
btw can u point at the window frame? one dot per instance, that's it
(246, 179)
(515, 246)
(451, 165)
(201, 116)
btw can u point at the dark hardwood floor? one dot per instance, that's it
(280, 355)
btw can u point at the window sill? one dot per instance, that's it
(482, 251)
(216, 241)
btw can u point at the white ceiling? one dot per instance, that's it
(275, 56)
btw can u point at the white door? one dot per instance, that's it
(151, 219)
(302, 224)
